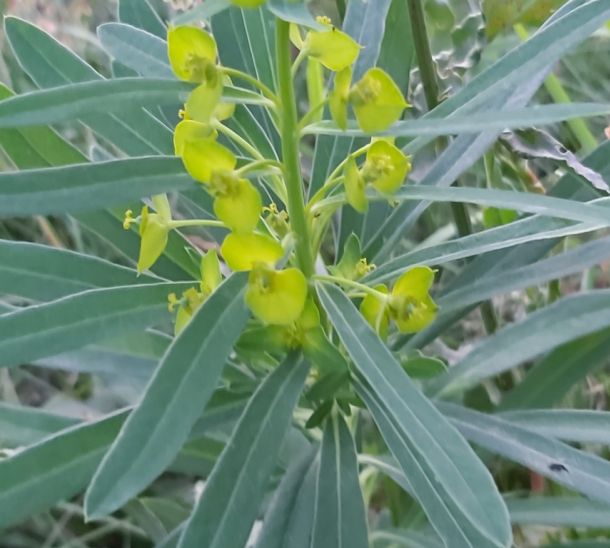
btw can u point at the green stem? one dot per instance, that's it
(196, 222)
(257, 165)
(311, 114)
(325, 278)
(235, 73)
(423, 52)
(578, 126)
(278, 184)
(290, 149)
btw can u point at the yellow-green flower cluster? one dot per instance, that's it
(385, 169)
(408, 304)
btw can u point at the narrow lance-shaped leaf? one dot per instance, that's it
(136, 49)
(340, 519)
(77, 320)
(40, 272)
(563, 321)
(276, 523)
(226, 511)
(56, 468)
(587, 474)
(84, 187)
(473, 123)
(21, 425)
(454, 488)
(172, 402)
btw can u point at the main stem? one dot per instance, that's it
(290, 149)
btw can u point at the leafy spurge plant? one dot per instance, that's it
(276, 312)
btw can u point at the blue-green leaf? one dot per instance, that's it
(225, 513)
(173, 401)
(449, 481)
(77, 320)
(340, 519)
(85, 187)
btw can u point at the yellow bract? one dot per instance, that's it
(338, 99)
(354, 186)
(411, 306)
(377, 101)
(205, 157)
(276, 297)
(154, 231)
(238, 205)
(335, 49)
(243, 252)
(385, 167)
(202, 102)
(210, 272)
(192, 53)
(189, 131)
(188, 305)
(375, 311)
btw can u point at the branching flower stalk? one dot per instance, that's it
(279, 244)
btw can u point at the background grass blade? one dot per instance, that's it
(172, 402)
(558, 512)
(340, 520)
(224, 515)
(85, 187)
(455, 506)
(68, 323)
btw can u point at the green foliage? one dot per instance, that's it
(268, 185)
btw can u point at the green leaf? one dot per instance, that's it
(136, 49)
(511, 235)
(541, 331)
(558, 512)
(224, 515)
(141, 14)
(587, 474)
(295, 11)
(89, 186)
(573, 425)
(558, 266)
(175, 398)
(452, 485)
(403, 537)
(77, 320)
(135, 132)
(340, 520)
(472, 123)
(204, 11)
(74, 101)
(554, 375)
(20, 425)
(44, 273)
(56, 468)
(521, 201)
(274, 533)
